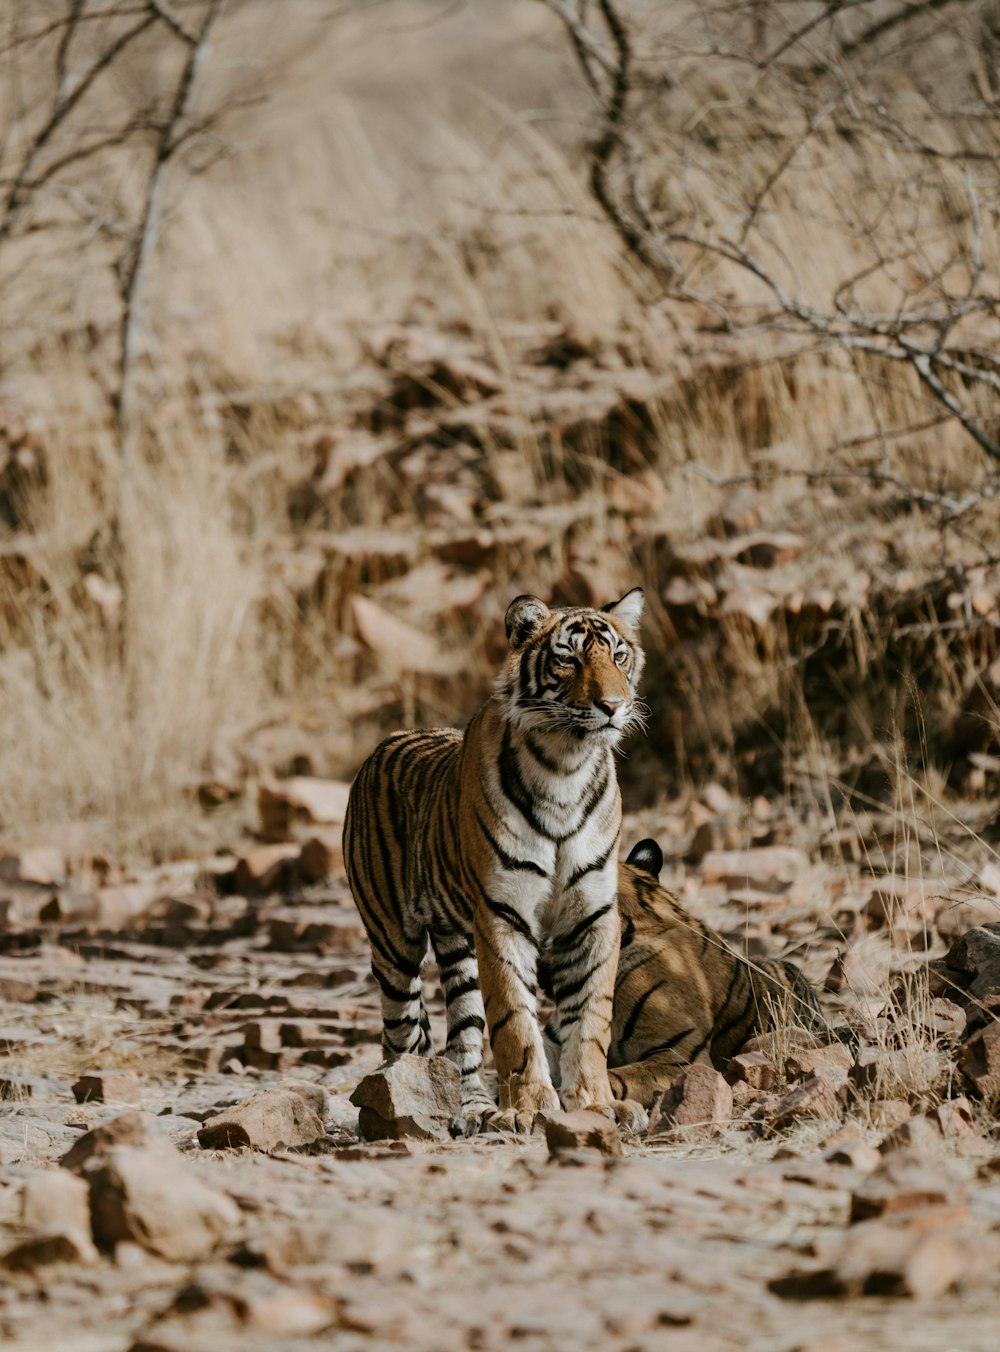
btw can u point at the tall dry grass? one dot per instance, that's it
(401, 167)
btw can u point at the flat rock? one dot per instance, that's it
(699, 1098)
(151, 1196)
(769, 868)
(68, 1245)
(580, 1130)
(906, 1188)
(273, 1119)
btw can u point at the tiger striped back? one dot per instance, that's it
(485, 843)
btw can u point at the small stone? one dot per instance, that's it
(901, 1189)
(108, 1086)
(40, 1251)
(955, 1118)
(150, 1195)
(698, 1098)
(284, 803)
(770, 868)
(128, 1129)
(856, 1154)
(754, 1069)
(321, 855)
(412, 1096)
(55, 1200)
(273, 1119)
(268, 868)
(832, 1062)
(919, 1136)
(979, 1062)
(885, 1114)
(813, 1096)
(44, 866)
(580, 1130)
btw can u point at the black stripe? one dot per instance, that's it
(508, 860)
(592, 867)
(637, 1008)
(393, 992)
(667, 1046)
(573, 988)
(502, 1023)
(588, 809)
(510, 917)
(463, 1025)
(562, 942)
(464, 988)
(513, 787)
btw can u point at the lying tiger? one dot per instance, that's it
(490, 841)
(681, 994)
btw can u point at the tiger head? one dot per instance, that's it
(575, 670)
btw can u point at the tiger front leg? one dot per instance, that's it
(508, 960)
(583, 964)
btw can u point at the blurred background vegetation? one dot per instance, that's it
(329, 327)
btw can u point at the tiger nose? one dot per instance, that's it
(609, 704)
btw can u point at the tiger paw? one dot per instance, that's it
(631, 1117)
(520, 1099)
(475, 1116)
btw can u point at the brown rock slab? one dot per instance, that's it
(45, 866)
(268, 868)
(754, 1069)
(920, 1137)
(285, 803)
(108, 1086)
(128, 1129)
(979, 1062)
(151, 1196)
(880, 1259)
(769, 868)
(699, 1098)
(955, 1118)
(900, 1190)
(412, 1096)
(814, 1096)
(68, 1245)
(273, 1119)
(397, 641)
(321, 855)
(580, 1130)
(832, 1062)
(54, 1201)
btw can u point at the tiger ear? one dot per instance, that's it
(628, 611)
(647, 857)
(524, 619)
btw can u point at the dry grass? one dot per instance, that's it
(414, 171)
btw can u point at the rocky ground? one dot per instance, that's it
(183, 1166)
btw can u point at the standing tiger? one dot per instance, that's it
(681, 993)
(490, 841)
